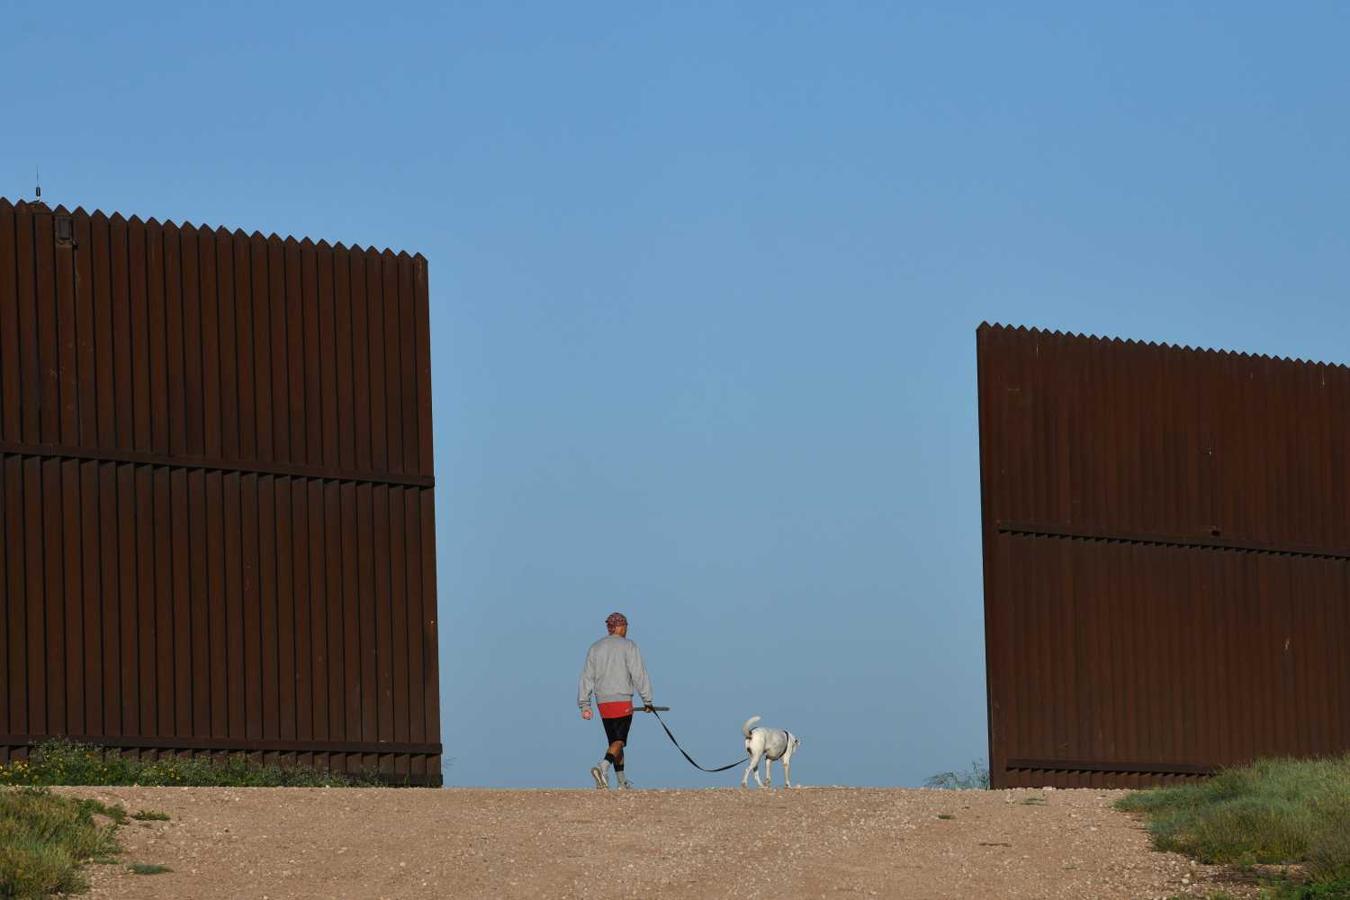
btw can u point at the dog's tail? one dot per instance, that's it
(749, 723)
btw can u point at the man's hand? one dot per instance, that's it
(647, 707)
(586, 714)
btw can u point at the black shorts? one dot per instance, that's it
(617, 729)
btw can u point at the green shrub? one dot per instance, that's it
(44, 838)
(976, 778)
(60, 762)
(1329, 851)
(1317, 890)
(1275, 811)
(150, 815)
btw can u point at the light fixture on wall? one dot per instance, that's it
(65, 231)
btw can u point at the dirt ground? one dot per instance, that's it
(808, 842)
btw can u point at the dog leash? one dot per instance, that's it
(681, 749)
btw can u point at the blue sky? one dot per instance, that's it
(705, 280)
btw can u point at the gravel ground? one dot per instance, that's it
(808, 842)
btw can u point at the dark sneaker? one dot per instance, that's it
(601, 781)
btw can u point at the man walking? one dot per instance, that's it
(612, 672)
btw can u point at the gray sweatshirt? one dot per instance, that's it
(612, 672)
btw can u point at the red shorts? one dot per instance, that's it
(616, 709)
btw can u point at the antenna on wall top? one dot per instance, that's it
(37, 177)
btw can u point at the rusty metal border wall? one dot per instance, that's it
(216, 494)
(1166, 555)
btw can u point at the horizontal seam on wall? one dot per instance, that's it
(1018, 529)
(227, 745)
(277, 470)
(1083, 765)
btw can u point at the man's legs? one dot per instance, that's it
(614, 756)
(616, 753)
(616, 730)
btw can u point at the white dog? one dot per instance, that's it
(768, 744)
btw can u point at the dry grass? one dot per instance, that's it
(1287, 812)
(61, 762)
(45, 839)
